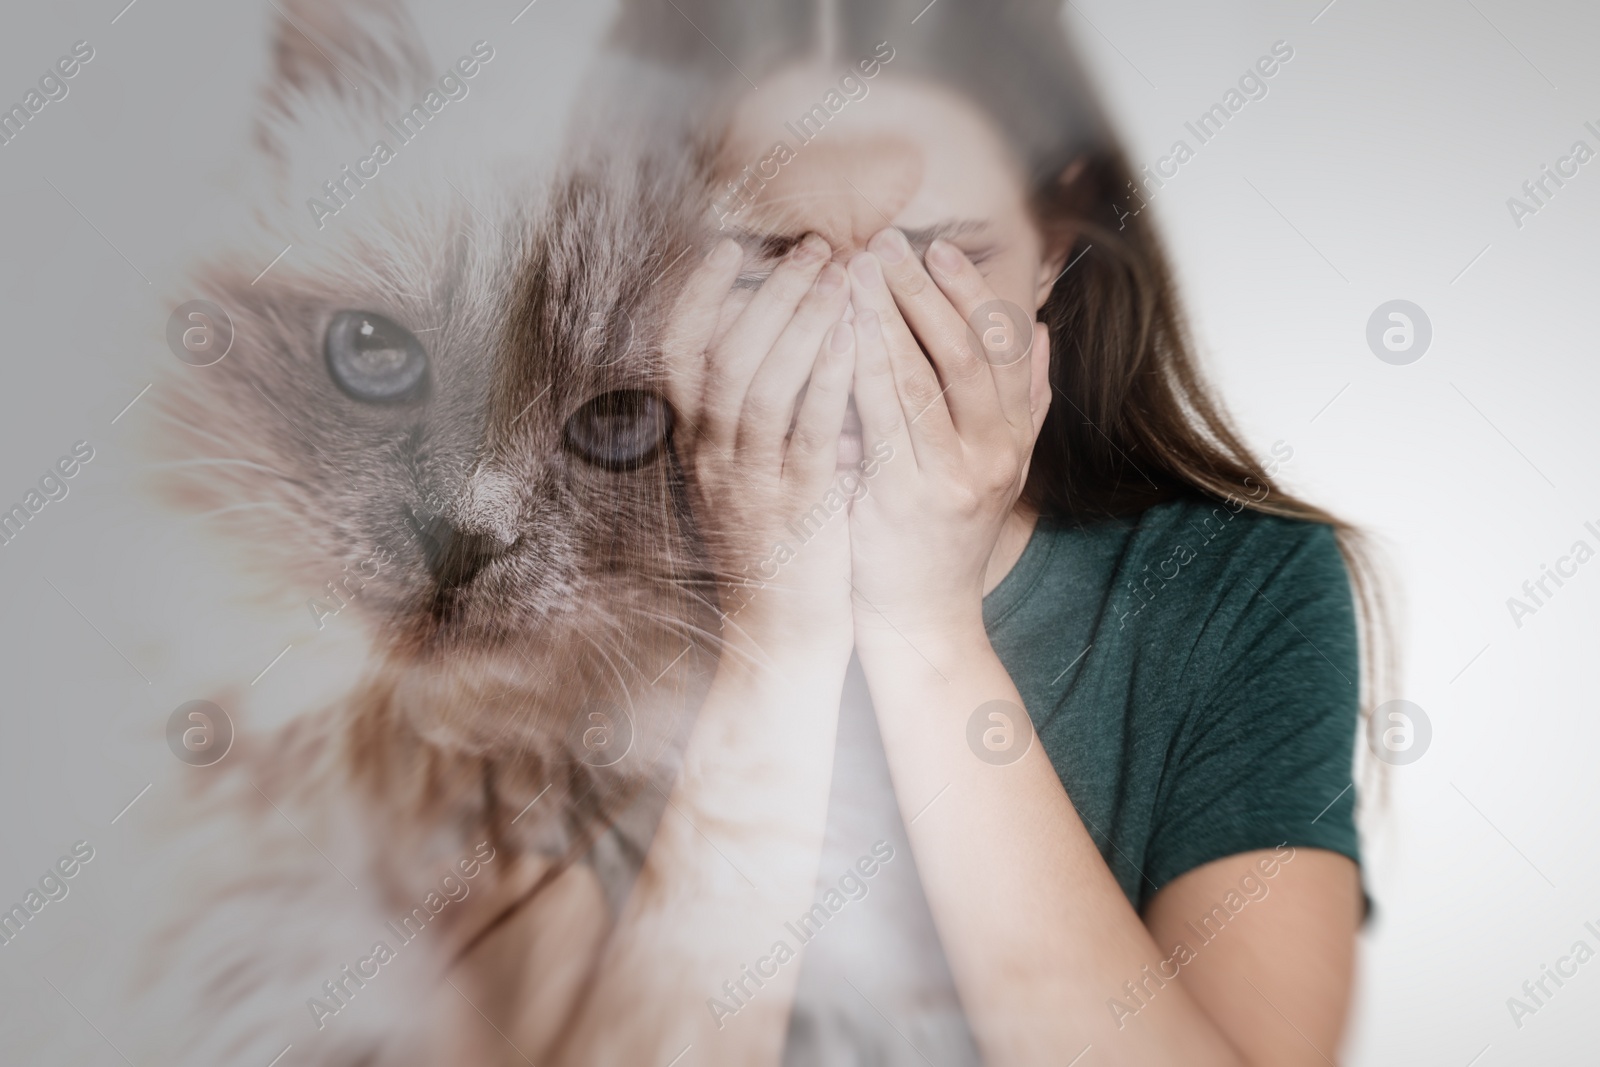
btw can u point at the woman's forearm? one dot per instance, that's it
(735, 854)
(1037, 931)
(760, 385)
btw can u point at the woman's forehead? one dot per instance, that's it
(904, 154)
(845, 192)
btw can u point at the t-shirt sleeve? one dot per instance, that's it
(1265, 755)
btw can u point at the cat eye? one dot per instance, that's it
(375, 359)
(620, 430)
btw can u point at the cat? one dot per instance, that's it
(447, 419)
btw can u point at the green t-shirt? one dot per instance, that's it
(1193, 674)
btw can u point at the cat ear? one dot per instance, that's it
(357, 57)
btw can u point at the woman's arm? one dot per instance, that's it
(735, 855)
(1040, 937)
(737, 848)
(1281, 988)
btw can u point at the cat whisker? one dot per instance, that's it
(247, 505)
(674, 623)
(622, 682)
(691, 631)
(690, 584)
(218, 461)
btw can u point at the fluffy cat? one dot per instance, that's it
(452, 411)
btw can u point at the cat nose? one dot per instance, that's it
(455, 555)
(479, 526)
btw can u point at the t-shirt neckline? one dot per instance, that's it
(1019, 581)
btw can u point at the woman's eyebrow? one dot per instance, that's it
(777, 245)
(767, 245)
(949, 230)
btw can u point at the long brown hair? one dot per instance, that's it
(1132, 420)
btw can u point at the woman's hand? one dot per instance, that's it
(1036, 929)
(761, 393)
(945, 375)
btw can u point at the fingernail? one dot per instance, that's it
(723, 253)
(811, 249)
(867, 271)
(890, 244)
(839, 340)
(946, 256)
(831, 278)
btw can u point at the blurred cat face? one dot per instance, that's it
(475, 401)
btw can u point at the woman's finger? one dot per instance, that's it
(1039, 387)
(692, 324)
(998, 333)
(877, 398)
(918, 392)
(813, 450)
(737, 355)
(942, 330)
(769, 403)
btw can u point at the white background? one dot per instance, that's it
(1378, 167)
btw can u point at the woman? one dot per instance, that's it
(937, 406)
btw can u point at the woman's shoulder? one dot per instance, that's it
(1250, 594)
(1210, 571)
(1198, 533)
(1232, 537)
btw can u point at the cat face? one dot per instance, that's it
(445, 416)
